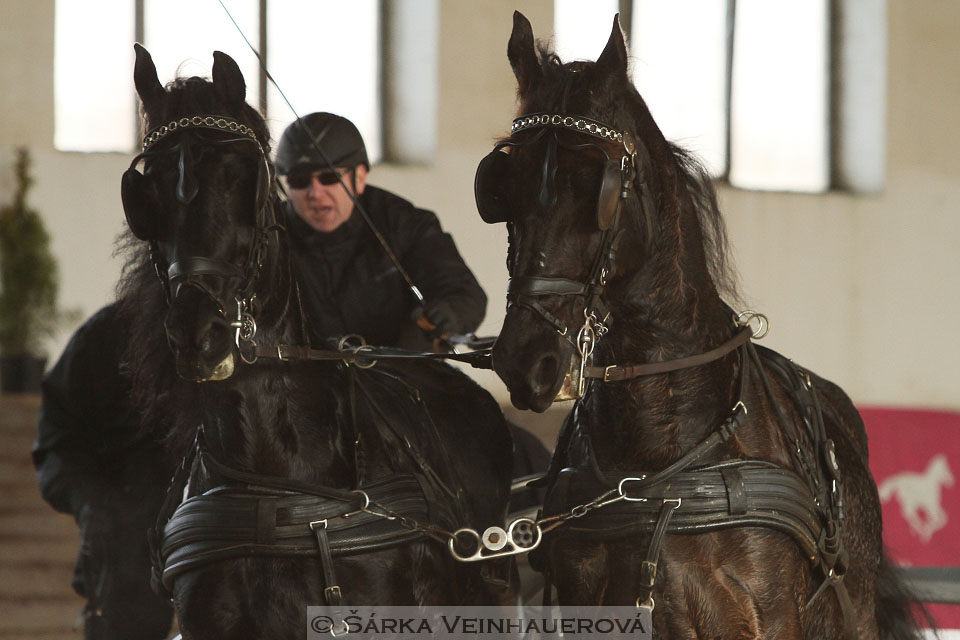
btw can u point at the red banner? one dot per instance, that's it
(915, 458)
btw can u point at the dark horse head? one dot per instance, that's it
(595, 201)
(202, 204)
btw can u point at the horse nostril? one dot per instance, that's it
(545, 372)
(210, 337)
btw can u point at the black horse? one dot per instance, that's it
(713, 479)
(310, 482)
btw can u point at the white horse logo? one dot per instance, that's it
(920, 493)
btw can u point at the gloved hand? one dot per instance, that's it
(442, 315)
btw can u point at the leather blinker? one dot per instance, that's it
(608, 200)
(494, 174)
(497, 173)
(139, 204)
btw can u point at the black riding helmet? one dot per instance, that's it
(338, 138)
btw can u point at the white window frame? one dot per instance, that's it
(855, 76)
(259, 40)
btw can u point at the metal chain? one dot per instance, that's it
(205, 122)
(576, 123)
(583, 509)
(432, 531)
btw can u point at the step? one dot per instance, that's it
(17, 446)
(32, 618)
(37, 526)
(18, 412)
(63, 634)
(22, 497)
(17, 472)
(36, 583)
(29, 552)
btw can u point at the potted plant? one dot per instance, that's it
(28, 288)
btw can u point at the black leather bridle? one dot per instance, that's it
(141, 207)
(624, 175)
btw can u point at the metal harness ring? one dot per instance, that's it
(744, 318)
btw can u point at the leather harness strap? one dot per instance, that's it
(365, 355)
(244, 521)
(648, 568)
(685, 499)
(820, 466)
(767, 495)
(331, 592)
(254, 515)
(615, 373)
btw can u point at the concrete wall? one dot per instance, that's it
(859, 288)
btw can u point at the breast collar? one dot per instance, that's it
(688, 497)
(255, 515)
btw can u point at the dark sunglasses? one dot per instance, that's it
(326, 178)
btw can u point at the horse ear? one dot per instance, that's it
(614, 57)
(522, 54)
(228, 81)
(148, 85)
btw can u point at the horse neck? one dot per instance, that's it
(665, 309)
(281, 316)
(258, 418)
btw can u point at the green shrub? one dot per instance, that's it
(28, 273)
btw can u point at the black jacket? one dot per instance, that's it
(94, 461)
(349, 284)
(89, 446)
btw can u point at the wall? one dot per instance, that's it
(858, 288)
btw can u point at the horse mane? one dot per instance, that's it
(695, 187)
(148, 359)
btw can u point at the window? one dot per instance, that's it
(785, 95)
(582, 28)
(93, 76)
(325, 57)
(324, 54)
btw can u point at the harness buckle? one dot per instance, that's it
(608, 373)
(648, 573)
(333, 595)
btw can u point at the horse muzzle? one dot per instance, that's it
(532, 362)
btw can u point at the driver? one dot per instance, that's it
(350, 284)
